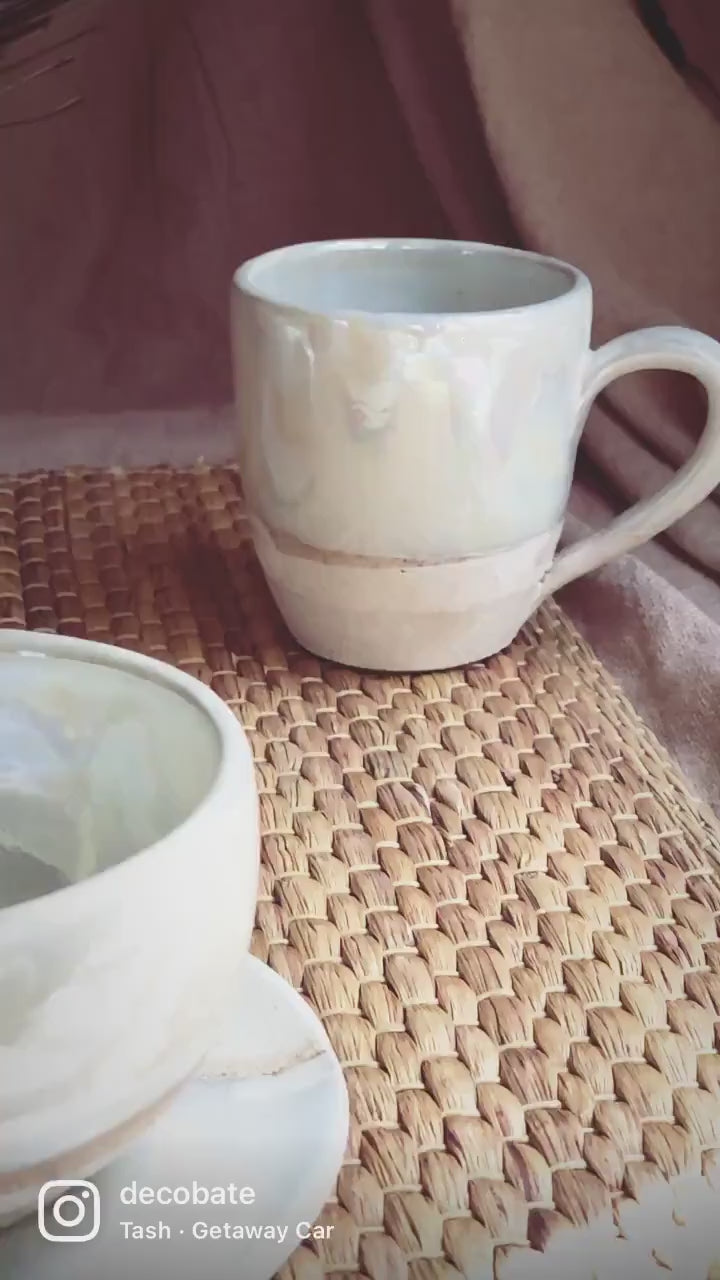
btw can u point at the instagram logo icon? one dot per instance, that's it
(68, 1210)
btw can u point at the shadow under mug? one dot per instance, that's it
(409, 413)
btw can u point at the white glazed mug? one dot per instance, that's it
(122, 935)
(409, 414)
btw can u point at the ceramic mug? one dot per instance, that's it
(128, 879)
(409, 414)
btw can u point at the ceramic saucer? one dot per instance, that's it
(262, 1131)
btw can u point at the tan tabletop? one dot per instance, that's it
(491, 883)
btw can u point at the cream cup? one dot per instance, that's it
(128, 866)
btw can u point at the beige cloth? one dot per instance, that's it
(209, 130)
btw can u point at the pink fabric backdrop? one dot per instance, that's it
(209, 130)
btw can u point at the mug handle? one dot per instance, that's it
(664, 347)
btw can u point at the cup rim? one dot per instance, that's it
(244, 278)
(235, 753)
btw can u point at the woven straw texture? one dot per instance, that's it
(491, 883)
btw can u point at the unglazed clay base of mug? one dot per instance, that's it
(269, 1113)
(395, 615)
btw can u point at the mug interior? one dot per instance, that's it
(96, 763)
(405, 277)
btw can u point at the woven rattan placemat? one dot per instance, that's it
(491, 883)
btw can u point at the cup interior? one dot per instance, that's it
(414, 277)
(96, 763)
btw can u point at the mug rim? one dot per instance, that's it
(235, 756)
(243, 278)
